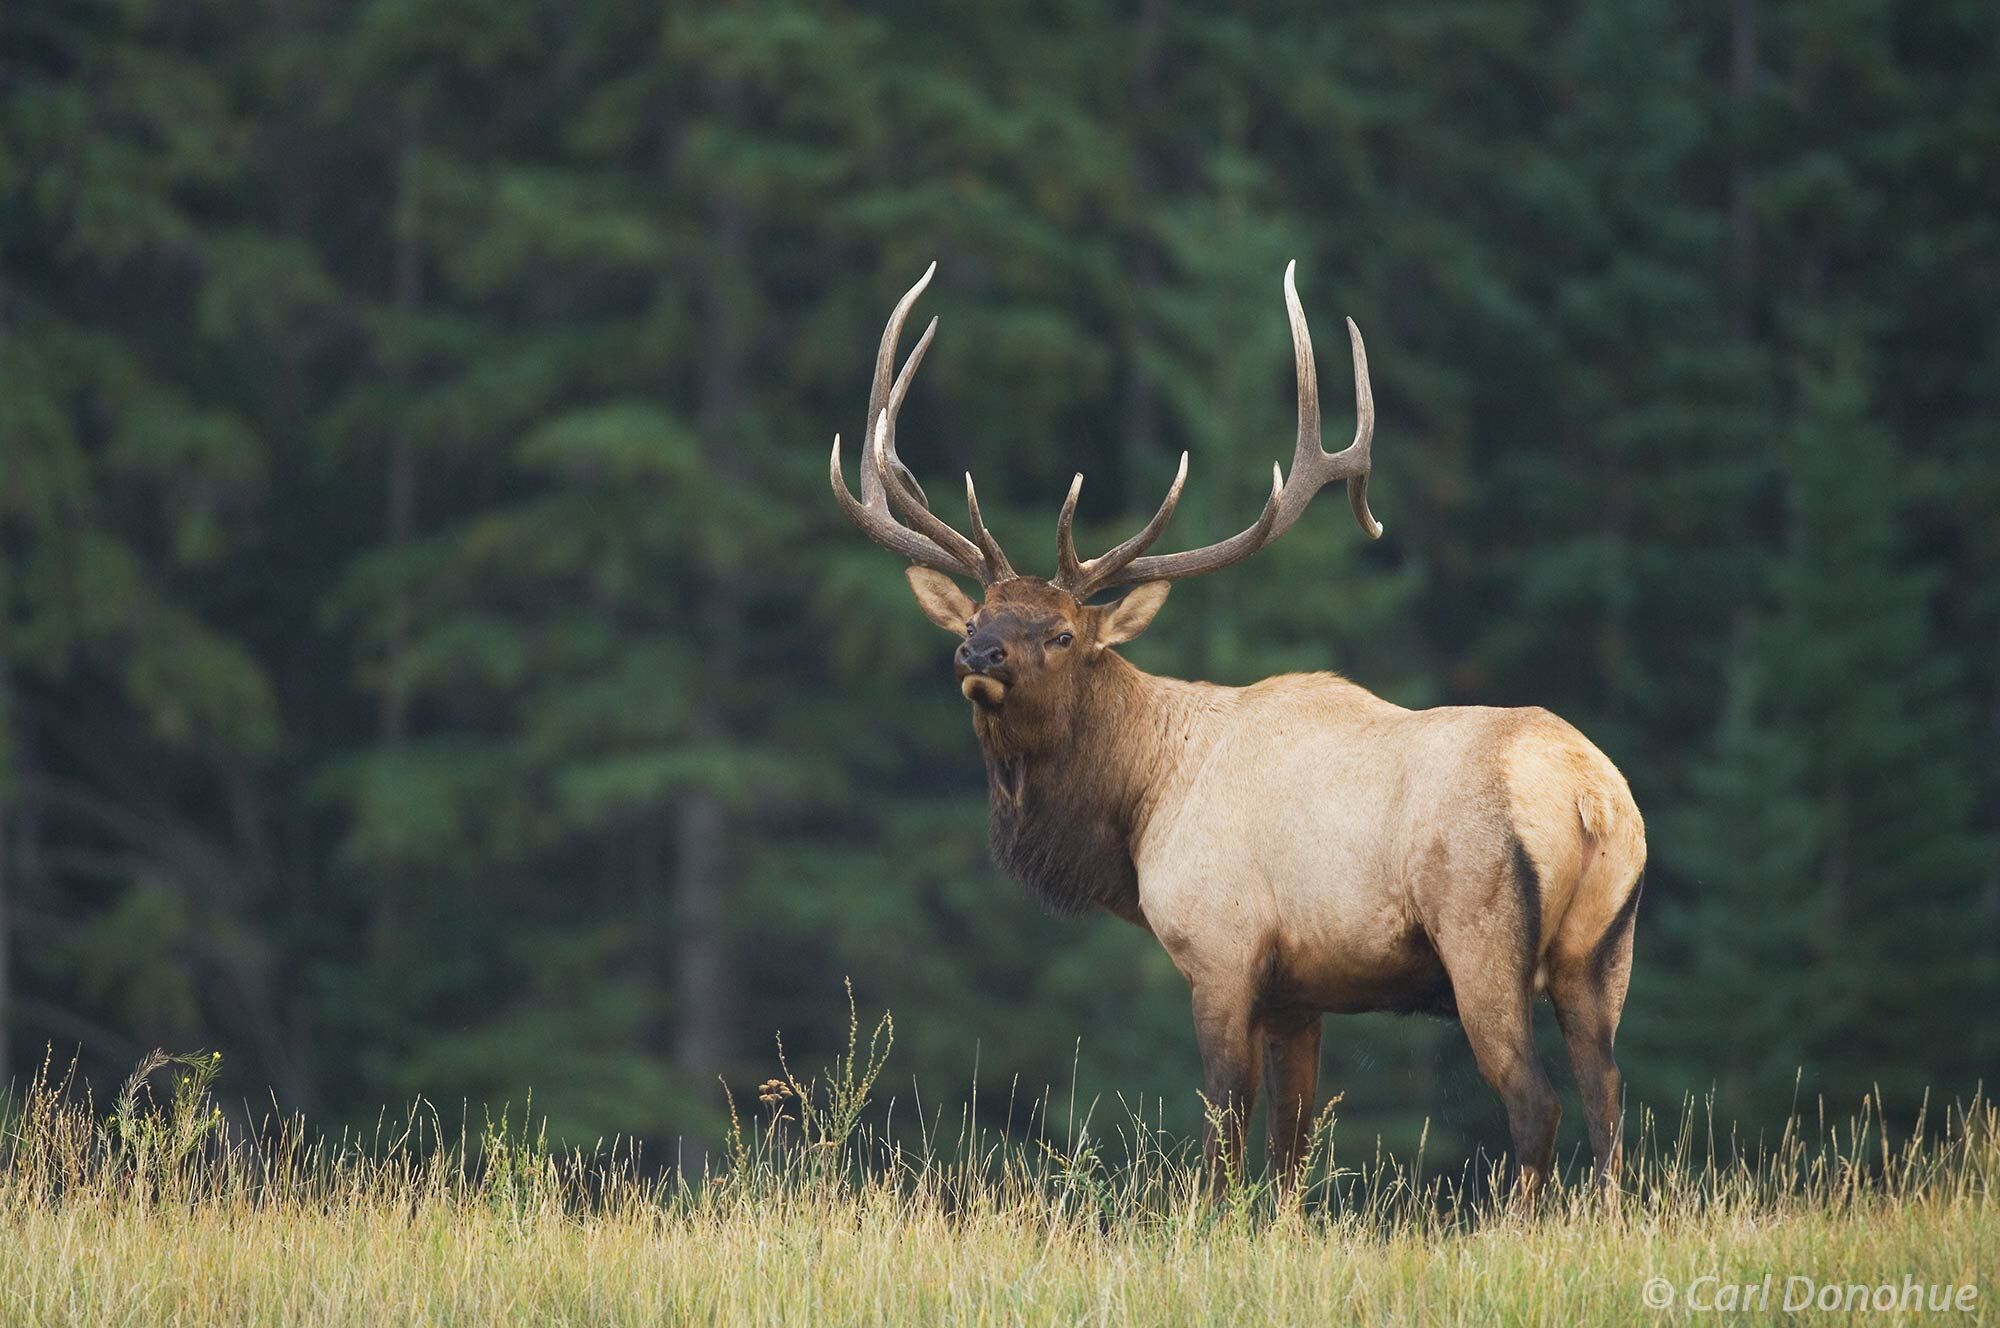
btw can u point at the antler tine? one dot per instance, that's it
(927, 522)
(904, 475)
(1312, 468)
(1097, 573)
(1363, 446)
(883, 529)
(1069, 572)
(1308, 448)
(887, 482)
(880, 469)
(996, 558)
(879, 386)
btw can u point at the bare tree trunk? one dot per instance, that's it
(703, 978)
(402, 495)
(701, 948)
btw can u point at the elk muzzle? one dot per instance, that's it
(982, 669)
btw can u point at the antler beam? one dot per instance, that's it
(889, 490)
(1313, 468)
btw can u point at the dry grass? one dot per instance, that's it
(158, 1212)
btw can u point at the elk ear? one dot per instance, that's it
(1133, 614)
(941, 600)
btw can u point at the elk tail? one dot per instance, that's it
(1593, 811)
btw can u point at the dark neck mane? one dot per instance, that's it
(1064, 820)
(1071, 859)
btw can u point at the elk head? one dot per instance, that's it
(1030, 648)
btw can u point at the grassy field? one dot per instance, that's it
(155, 1210)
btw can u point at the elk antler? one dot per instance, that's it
(1313, 468)
(885, 480)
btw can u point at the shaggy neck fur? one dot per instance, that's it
(1070, 798)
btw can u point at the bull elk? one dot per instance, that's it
(1299, 846)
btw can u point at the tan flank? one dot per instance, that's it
(1299, 846)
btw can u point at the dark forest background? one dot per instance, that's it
(432, 663)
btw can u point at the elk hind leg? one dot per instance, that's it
(1494, 997)
(1588, 991)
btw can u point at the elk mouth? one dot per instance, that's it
(983, 689)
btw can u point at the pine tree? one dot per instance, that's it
(146, 869)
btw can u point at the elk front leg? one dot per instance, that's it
(1291, 1081)
(1223, 1026)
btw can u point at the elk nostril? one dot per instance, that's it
(980, 657)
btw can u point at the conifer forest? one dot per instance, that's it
(432, 665)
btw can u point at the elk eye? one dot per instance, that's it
(1063, 638)
(969, 628)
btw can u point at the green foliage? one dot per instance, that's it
(430, 663)
(158, 1145)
